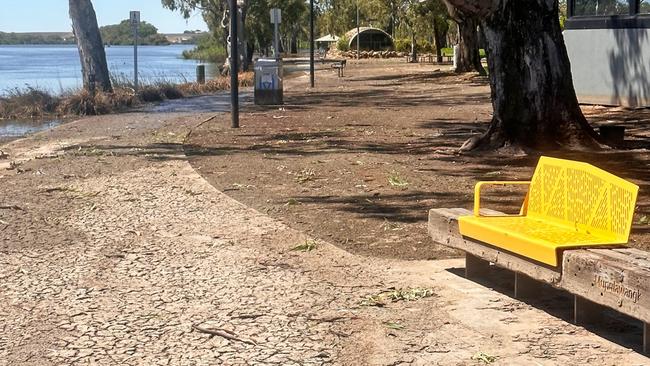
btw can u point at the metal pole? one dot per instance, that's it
(311, 42)
(276, 39)
(358, 34)
(234, 58)
(135, 56)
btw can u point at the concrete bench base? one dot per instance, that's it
(614, 278)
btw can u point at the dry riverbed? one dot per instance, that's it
(115, 251)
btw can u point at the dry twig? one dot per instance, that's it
(223, 334)
(11, 207)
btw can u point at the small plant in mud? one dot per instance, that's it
(390, 226)
(239, 186)
(292, 202)
(394, 325)
(410, 294)
(396, 180)
(305, 175)
(307, 246)
(484, 357)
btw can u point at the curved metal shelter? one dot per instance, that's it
(370, 39)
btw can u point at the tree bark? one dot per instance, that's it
(243, 60)
(438, 40)
(243, 40)
(534, 102)
(94, 68)
(469, 58)
(294, 40)
(414, 48)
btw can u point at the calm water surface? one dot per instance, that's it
(56, 68)
(11, 130)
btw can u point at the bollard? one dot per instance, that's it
(200, 74)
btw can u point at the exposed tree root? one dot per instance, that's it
(577, 137)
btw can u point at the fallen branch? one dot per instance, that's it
(248, 316)
(189, 134)
(11, 207)
(209, 119)
(223, 334)
(55, 189)
(340, 334)
(331, 319)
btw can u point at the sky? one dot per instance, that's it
(52, 15)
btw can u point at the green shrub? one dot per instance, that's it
(403, 45)
(425, 46)
(343, 44)
(207, 49)
(449, 51)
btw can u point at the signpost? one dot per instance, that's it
(358, 34)
(311, 43)
(276, 19)
(135, 23)
(234, 67)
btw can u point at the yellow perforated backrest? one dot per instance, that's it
(582, 196)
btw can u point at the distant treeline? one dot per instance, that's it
(35, 38)
(122, 34)
(117, 34)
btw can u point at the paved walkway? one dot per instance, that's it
(114, 251)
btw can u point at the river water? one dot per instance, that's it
(56, 68)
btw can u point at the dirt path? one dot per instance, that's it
(113, 250)
(375, 150)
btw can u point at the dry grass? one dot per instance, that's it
(213, 85)
(83, 103)
(30, 103)
(27, 103)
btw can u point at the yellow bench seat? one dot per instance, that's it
(569, 204)
(533, 238)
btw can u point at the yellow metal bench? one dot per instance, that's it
(569, 205)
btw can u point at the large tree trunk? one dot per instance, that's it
(243, 41)
(533, 98)
(242, 48)
(414, 48)
(94, 68)
(438, 40)
(294, 40)
(469, 58)
(249, 53)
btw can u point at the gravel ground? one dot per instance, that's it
(114, 251)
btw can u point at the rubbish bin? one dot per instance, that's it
(268, 82)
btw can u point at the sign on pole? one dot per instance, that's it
(134, 16)
(311, 43)
(234, 68)
(276, 16)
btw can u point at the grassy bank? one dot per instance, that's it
(31, 103)
(207, 50)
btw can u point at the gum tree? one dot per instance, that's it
(469, 58)
(90, 45)
(533, 98)
(217, 15)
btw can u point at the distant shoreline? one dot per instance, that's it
(67, 38)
